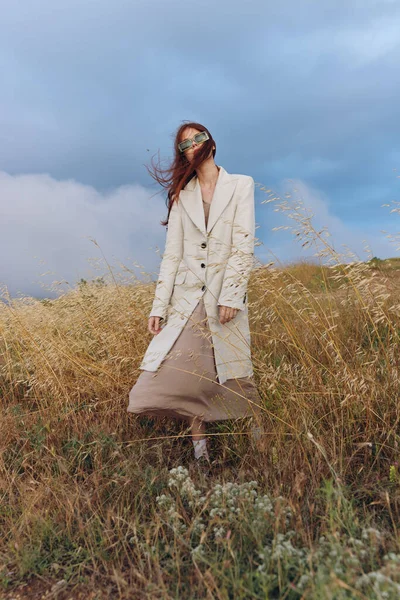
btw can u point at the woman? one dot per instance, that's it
(198, 365)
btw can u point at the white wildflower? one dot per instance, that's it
(198, 551)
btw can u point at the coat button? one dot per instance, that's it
(203, 288)
(203, 266)
(203, 245)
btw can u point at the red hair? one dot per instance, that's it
(181, 171)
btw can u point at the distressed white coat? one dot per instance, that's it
(214, 262)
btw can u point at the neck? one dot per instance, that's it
(207, 173)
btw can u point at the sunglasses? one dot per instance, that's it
(199, 138)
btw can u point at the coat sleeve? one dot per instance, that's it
(169, 264)
(241, 260)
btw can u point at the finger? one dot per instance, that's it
(229, 314)
(234, 313)
(150, 325)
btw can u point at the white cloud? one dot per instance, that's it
(298, 197)
(47, 224)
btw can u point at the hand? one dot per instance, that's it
(226, 313)
(154, 325)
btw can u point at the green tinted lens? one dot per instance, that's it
(185, 144)
(200, 137)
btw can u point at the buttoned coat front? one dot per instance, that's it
(213, 261)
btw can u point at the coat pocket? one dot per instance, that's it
(180, 277)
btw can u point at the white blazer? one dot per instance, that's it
(214, 262)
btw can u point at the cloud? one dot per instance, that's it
(300, 207)
(47, 225)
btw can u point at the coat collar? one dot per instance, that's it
(192, 201)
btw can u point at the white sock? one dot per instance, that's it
(200, 448)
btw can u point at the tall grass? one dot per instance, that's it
(99, 503)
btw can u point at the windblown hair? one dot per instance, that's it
(181, 171)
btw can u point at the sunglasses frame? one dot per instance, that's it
(191, 140)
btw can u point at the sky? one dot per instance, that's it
(303, 96)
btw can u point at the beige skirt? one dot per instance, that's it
(186, 385)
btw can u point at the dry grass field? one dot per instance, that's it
(97, 503)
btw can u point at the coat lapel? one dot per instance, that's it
(192, 201)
